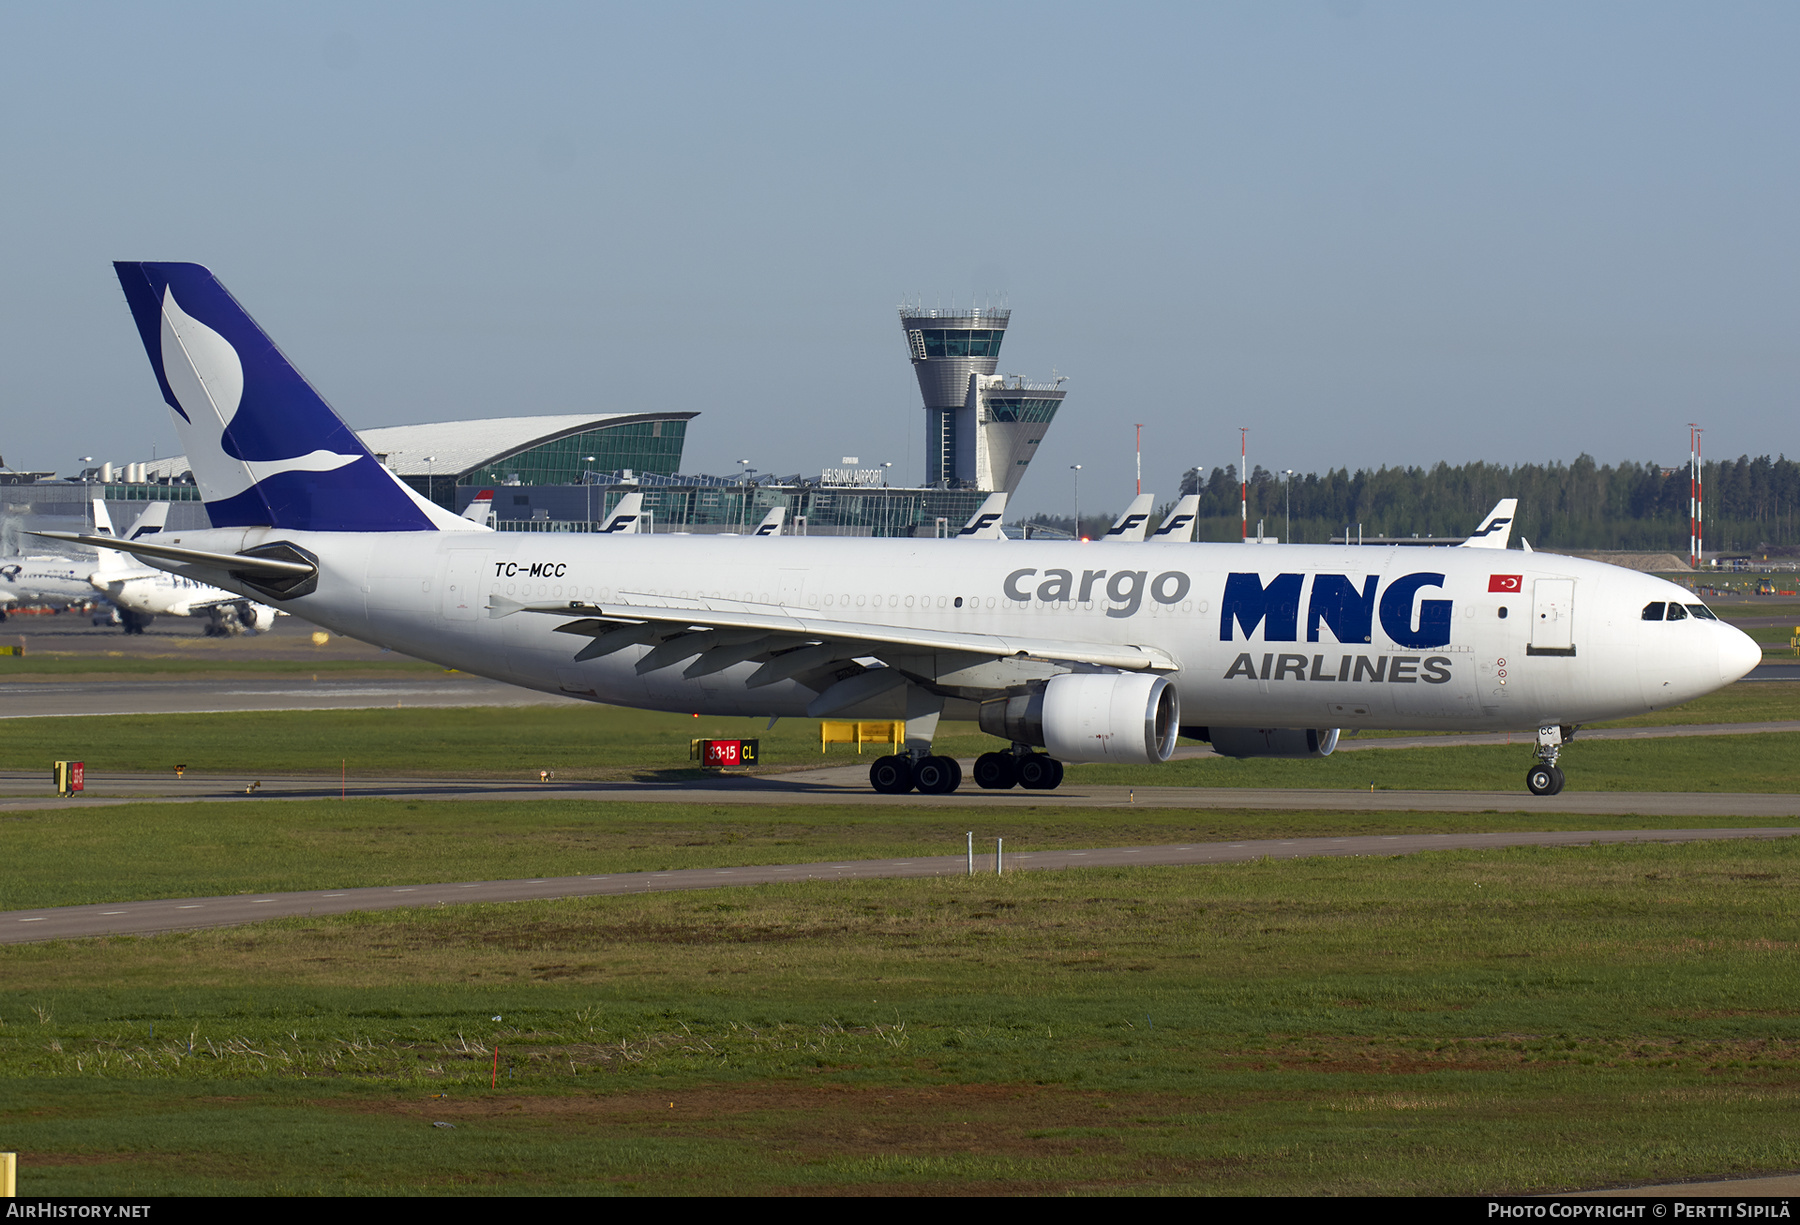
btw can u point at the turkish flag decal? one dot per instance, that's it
(1505, 582)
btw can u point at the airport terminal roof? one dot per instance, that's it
(459, 446)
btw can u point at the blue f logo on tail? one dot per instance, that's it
(265, 448)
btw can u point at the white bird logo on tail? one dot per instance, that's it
(207, 378)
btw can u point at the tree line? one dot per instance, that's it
(1752, 505)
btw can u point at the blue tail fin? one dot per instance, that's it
(265, 448)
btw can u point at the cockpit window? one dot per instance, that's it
(1654, 611)
(1703, 612)
(1677, 612)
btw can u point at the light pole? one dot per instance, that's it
(587, 478)
(85, 479)
(430, 490)
(1290, 506)
(748, 472)
(1076, 469)
(887, 503)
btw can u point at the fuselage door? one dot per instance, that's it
(1553, 616)
(462, 581)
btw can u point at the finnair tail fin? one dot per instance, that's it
(627, 517)
(265, 448)
(151, 522)
(1178, 526)
(110, 564)
(478, 510)
(1496, 530)
(771, 524)
(984, 524)
(1129, 527)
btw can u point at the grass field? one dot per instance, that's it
(1456, 1023)
(138, 851)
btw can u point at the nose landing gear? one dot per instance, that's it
(1544, 780)
(1546, 777)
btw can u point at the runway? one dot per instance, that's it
(186, 914)
(21, 792)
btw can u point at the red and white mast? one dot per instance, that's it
(1244, 478)
(1696, 499)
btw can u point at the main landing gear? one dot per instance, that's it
(1019, 768)
(1546, 777)
(899, 774)
(931, 775)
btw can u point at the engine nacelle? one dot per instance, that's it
(260, 620)
(1104, 716)
(1268, 741)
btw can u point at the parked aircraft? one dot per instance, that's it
(49, 578)
(141, 595)
(1092, 652)
(1495, 530)
(1178, 526)
(1129, 527)
(627, 518)
(480, 508)
(771, 524)
(985, 523)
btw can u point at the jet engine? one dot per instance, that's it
(1267, 741)
(1095, 716)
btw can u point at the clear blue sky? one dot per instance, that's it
(1371, 232)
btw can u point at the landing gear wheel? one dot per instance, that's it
(937, 775)
(996, 771)
(1543, 780)
(1039, 772)
(891, 775)
(1556, 788)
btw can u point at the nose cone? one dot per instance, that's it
(1738, 653)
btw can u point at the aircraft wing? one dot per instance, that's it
(792, 644)
(244, 563)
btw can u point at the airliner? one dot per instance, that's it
(44, 579)
(142, 595)
(1069, 651)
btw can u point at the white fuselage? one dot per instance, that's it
(1567, 645)
(52, 580)
(159, 594)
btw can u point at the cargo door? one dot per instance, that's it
(1552, 617)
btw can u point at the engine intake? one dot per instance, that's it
(1101, 716)
(1268, 741)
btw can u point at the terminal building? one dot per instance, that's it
(564, 473)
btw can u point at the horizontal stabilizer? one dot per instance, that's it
(236, 562)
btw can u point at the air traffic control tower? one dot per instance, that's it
(981, 429)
